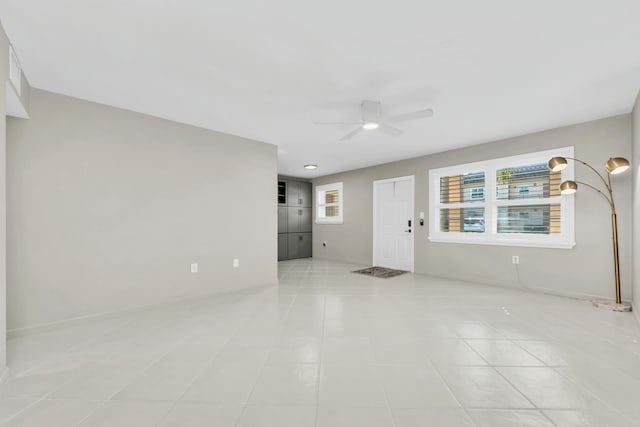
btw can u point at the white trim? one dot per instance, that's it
(566, 238)
(412, 179)
(560, 293)
(324, 187)
(56, 324)
(521, 243)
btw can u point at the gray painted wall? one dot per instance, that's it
(586, 270)
(636, 206)
(108, 208)
(4, 75)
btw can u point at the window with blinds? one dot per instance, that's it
(533, 186)
(463, 192)
(507, 201)
(329, 204)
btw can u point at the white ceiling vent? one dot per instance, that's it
(15, 71)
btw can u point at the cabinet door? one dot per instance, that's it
(305, 245)
(293, 220)
(282, 219)
(282, 247)
(305, 220)
(293, 245)
(305, 194)
(293, 193)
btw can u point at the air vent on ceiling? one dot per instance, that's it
(15, 71)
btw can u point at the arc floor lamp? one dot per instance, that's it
(613, 166)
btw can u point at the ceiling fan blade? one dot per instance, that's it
(337, 123)
(352, 133)
(422, 114)
(389, 130)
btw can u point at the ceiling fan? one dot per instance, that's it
(372, 119)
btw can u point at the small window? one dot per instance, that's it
(329, 204)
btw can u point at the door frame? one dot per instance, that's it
(412, 180)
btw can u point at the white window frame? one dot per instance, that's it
(564, 240)
(340, 204)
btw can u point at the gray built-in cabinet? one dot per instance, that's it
(294, 219)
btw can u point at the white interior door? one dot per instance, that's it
(393, 223)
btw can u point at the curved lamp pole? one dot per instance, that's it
(613, 166)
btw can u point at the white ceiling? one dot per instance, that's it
(268, 69)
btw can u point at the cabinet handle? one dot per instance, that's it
(299, 237)
(299, 201)
(299, 211)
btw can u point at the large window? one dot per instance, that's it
(329, 203)
(507, 201)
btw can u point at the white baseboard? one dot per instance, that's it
(44, 327)
(540, 290)
(565, 294)
(4, 376)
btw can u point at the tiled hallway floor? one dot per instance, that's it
(330, 348)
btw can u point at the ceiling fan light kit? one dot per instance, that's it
(372, 119)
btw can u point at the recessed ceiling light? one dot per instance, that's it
(311, 167)
(370, 126)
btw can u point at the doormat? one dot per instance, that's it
(381, 272)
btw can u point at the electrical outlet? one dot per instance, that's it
(194, 267)
(236, 263)
(515, 259)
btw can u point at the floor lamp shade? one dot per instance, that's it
(613, 166)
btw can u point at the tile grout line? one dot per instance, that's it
(264, 365)
(524, 395)
(111, 399)
(493, 368)
(446, 383)
(69, 350)
(21, 411)
(320, 350)
(196, 377)
(590, 393)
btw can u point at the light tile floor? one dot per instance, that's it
(330, 348)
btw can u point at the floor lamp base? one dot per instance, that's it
(606, 304)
